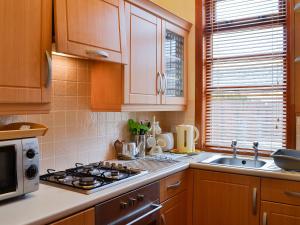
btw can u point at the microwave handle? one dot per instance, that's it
(157, 207)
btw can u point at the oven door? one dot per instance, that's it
(146, 215)
(149, 215)
(11, 169)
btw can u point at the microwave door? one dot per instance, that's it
(11, 169)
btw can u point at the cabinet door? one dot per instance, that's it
(144, 41)
(296, 29)
(279, 214)
(91, 28)
(174, 210)
(174, 62)
(83, 218)
(25, 27)
(225, 199)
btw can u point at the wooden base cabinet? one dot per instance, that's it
(296, 30)
(176, 193)
(86, 217)
(279, 214)
(173, 211)
(225, 199)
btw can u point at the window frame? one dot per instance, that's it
(200, 80)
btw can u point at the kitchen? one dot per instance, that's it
(75, 72)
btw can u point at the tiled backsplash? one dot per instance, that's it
(75, 133)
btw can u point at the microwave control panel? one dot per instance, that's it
(31, 158)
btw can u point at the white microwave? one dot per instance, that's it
(19, 167)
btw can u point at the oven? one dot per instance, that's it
(138, 207)
(19, 165)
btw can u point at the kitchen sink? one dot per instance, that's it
(245, 162)
(249, 163)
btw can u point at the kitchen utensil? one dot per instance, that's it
(287, 159)
(187, 135)
(157, 148)
(151, 141)
(140, 140)
(125, 150)
(169, 140)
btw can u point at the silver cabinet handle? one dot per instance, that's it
(164, 79)
(156, 208)
(265, 219)
(254, 200)
(174, 186)
(97, 53)
(159, 79)
(293, 193)
(163, 219)
(49, 76)
(297, 7)
(297, 59)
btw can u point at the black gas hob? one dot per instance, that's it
(90, 178)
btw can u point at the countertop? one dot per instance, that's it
(50, 203)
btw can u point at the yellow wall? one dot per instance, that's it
(186, 10)
(183, 8)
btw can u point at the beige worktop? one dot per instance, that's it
(50, 203)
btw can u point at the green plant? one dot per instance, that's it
(136, 127)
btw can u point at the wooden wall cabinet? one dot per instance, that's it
(221, 198)
(25, 56)
(155, 78)
(93, 29)
(176, 197)
(86, 217)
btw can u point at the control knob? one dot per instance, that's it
(31, 172)
(30, 154)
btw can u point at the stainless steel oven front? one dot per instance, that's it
(138, 207)
(19, 167)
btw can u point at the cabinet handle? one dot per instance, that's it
(254, 200)
(97, 53)
(292, 193)
(175, 185)
(163, 219)
(297, 7)
(49, 75)
(164, 79)
(159, 79)
(297, 59)
(265, 218)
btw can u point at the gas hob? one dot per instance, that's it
(91, 178)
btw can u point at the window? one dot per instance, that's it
(244, 89)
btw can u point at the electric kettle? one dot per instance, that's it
(187, 135)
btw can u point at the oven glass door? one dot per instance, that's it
(8, 169)
(149, 216)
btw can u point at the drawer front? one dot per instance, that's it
(172, 185)
(281, 191)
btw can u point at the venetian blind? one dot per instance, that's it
(246, 73)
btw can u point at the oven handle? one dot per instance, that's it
(157, 207)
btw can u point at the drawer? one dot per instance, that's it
(172, 185)
(281, 191)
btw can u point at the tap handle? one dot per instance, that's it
(234, 143)
(255, 144)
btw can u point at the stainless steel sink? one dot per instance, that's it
(245, 162)
(248, 163)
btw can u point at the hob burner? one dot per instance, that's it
(90, 178)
